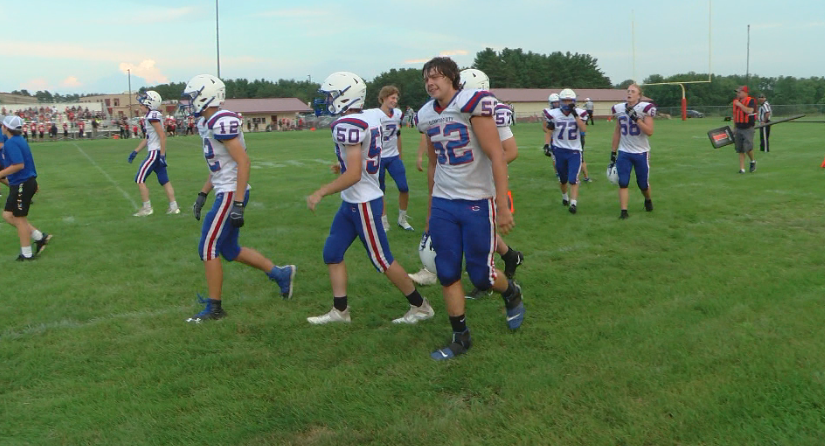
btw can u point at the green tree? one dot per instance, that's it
(409, 82)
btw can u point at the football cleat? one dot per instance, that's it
(424, 277)
(285, 277)
(41, 244)
(22, 258)
(415, 314)
(565, 202)
(624, 215)
(753, 167)
(333, 316)
(478, 294)
(143, 212)
(572, 209)
(649, 205)
(461, 342)
(209, 313)
(402, 221)
(515, 309)
(173, 210)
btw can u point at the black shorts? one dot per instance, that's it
(20, 197)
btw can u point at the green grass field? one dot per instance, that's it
(700, 323)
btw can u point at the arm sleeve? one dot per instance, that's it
(349, 131)
(226, 127)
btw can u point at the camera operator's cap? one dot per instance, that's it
(743, 88)
(761, 95)
(13, 122)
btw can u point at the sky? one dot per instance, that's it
(88, 46)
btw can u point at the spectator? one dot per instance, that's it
(743, 118)
(95, 125)
(764, 118)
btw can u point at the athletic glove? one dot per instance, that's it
(199, 205)
(132, 156)
(162, 160)
(236, 214)
(548, 151)
(631, 113)
(612, 157)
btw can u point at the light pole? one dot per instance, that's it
(748, 61)
(218, 38)
(309, 76)
(129, 72)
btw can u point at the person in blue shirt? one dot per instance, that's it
(21, 176)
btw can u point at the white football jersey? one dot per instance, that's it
(504, 118)
(364, 129)
(631, 138)
(567, 134)
(391, 128)
(152, 137)
(463, 172)
(222, 126)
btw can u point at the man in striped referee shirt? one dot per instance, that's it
(764, 118)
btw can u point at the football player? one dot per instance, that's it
(634, 125)
(472, 79)
(467, 176)
(357, 138)
(155, 158)
(567, 122)
(225, 152)
(391, 154)
(477, 80)
(20, 175)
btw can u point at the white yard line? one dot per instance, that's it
(127, 196)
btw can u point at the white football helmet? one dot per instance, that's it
(553, 99)
(612, 174)
(150, 99)
(567, 94)
(201, 92)
(472, 79)
(426, 253)
(342, 91)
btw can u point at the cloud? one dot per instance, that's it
(759, 26)
(70, 82)
(171, 14)
(146, 70)
(37, 84)
(447, 53)
(453, 53)
(294, 13)
(813, 25)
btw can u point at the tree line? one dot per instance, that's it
(782, 90)
(515, 68)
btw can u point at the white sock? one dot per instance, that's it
(173, 204)
(27, 251)
(572, 202)
(402, 213)
(565, 197)
(147, 204)
(37, 235)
